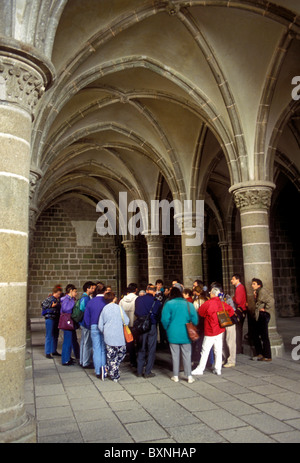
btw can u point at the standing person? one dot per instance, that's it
(51, 311)
(199, 297)
(86, 345)
(91, 319)
(70, 337)
(240, 300)
(128, 305)
(176, 313)
(213, 333)
(264, 302)
(111, 325)
(143, 305)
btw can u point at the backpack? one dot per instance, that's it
(77, 314)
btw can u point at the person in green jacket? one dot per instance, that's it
(175, 314)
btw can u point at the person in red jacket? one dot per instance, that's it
(240, 300)
(213, 333)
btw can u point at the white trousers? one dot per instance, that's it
(217, 343)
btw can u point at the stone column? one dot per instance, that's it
(192, 266)
(155, 257)
(132, 261)
(223, 245)
(253, 203)
(22, 83)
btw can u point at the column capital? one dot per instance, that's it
(252, 195)
(24, 77)
(131, 245)
(152, 239)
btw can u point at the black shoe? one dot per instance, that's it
(150, 375)
(87, 367)
(49, 356)
(70, 362)
(56, 354)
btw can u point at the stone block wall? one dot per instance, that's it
(57, 258)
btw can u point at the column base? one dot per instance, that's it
(25, 433)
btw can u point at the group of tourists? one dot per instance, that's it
(101, 317)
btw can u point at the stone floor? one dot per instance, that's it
(252, 403)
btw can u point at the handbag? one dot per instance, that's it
(127, 333)
(224, 318)
(66, 322)
(192, 330)
(142, 325)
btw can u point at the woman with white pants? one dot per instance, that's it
(213, 333)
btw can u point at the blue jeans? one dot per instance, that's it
(99, 350)
(51, 336)
(86, 347)
(146, 342)
(70, 342)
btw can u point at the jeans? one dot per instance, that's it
(146, 341)
(99, 350)
(51, 336)
(70, 342)
(86, 347)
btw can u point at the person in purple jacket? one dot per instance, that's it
(91, 318)
(70, 337)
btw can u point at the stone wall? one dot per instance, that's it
(286, 255)
(57, 258)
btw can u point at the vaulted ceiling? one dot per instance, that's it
(149, 96)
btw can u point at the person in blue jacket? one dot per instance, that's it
(51, 311)
(91, 319)
(176, 313)
(147, 341)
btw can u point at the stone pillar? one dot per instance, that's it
(155, 257)
(22, 83)
(225, 271)
(192, 266)
(132, 261)
(253, 203)
(35, 176)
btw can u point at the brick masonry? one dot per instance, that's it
(55, 257)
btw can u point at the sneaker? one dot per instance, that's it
(115, 380)
(216, 372)
(175, 379)
(229, 365)
(191, 379)
(197, 371)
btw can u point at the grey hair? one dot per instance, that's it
(215, 291)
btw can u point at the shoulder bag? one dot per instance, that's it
(66, 322)
(142, 325)
(127, 333)
(224, 318)
(192, 330)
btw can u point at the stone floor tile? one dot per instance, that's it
(129, 416)
(245, 435)
(219, 419)
(195, 433)
(146, 431)
(266, 424)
